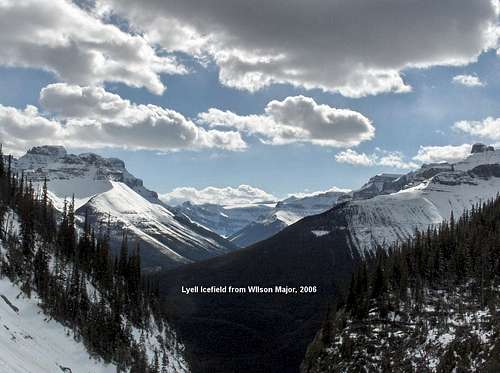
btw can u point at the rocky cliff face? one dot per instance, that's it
(54, 163)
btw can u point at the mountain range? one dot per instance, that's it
(247, 224)
(414, 200)
(314, 240)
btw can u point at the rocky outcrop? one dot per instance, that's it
(379, 184)
(481, 148)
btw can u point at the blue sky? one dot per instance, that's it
(403, 123)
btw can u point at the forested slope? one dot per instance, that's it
(431, 304)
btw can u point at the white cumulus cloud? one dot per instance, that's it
(94, 118)
(297, 119)
(307, 193)
(446, 153)
(22, 129)
(350, 156)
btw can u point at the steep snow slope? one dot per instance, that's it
(385, 219)
(103, 189)
(32, 343)
(153, 223)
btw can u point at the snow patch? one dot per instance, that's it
(320, 233)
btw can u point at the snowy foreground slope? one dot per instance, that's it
(32, 343)
(105, 190)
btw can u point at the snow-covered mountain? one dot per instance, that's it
(421, 199)
(249, 223)
(424, 308)
(105, 190)
(389, 207)
(379, 184)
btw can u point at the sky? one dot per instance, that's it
(221, 99)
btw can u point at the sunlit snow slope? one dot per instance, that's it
(31, 343)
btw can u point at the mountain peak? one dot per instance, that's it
(49, 150)
(53, 162)
(481, 148)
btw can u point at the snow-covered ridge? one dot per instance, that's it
(103, 188)
(423, 202)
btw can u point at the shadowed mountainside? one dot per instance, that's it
(259, 332)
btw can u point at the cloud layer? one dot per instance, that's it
(355, 47)
(78, 46)
(242, 194)
(446, 153)
(22, 129)
(92, 117)
(488, 128)
(425, 154)
(297, 119)
(378, 158)
(468, 80)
